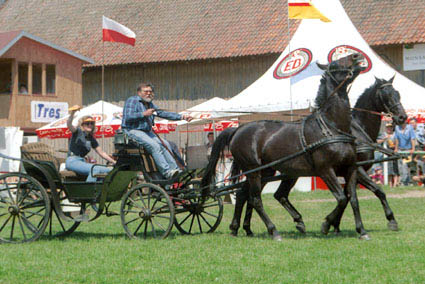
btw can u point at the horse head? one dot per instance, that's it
(338, 75)
(388, 100)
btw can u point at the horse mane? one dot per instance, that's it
(322, 95)
(366, 99)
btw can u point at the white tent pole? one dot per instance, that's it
(103, 92)
(289, 51)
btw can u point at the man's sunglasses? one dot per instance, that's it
(88, 123)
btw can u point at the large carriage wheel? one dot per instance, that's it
(197, 216)
(58, 227)
(147, 212)
(24, 208)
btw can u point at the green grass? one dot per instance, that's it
(99, 252)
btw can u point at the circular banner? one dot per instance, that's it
(293, 63)
(344, 50)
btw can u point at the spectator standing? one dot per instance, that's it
(388, 140)
(404, 141)
(209, 144)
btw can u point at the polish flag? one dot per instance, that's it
(115, 32)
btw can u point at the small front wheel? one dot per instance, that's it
(147, 212)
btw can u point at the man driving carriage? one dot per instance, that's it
(138, 118)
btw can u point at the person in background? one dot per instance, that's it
(377, 176)
(82, 141)
(419, 132)
(209, 144)
(404, 141)
(388, 140)
(23, 89)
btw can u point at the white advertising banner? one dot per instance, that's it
(13, 140)
(42, 111)
(414, 58)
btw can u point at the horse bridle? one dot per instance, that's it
(389, 109)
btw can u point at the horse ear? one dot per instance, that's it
(377, 80)
(322, 66)
(392, 79)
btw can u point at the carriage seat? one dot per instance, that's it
(129, 152)
(41, 152)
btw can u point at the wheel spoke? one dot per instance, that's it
(1, 215)
(13, 227)
(212, 215)
(158, 224)
(149, 198)
(30, 205)
(131, 221)
(29, 224)
(138, 227)
(146, 230)
(184, 220)
(140, 193)
(60, 221)
(199, 223)
(163, 217)
(205, 220)
(131, 211)
(5, 223)
(158, 210)
(191, 223)
(153, 205)
(212, 205)
(22, 228)
(17, 189)
(133, 203)
(153, 229)
(27, 192)
(34, 213)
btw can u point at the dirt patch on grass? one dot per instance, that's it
(409, 194)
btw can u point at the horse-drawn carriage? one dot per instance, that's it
(43, 199)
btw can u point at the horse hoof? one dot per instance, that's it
(249, 234)
(325, 227)
(365, 237)
(337, 232)
(392, 225)
(301, 228)
(234, 233)
(277, 238)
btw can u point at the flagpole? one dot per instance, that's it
(103, 92)
(289, 51)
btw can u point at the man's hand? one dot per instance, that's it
(187, 117)
(148, 112)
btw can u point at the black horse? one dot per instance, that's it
(318, 140)
(378, 98)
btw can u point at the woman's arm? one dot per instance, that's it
(104, 155)
(71, 127)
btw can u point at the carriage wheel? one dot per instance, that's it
(196, 216)
(147, 212)
(24, 208)
(58, 227)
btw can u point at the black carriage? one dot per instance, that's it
(41, 199)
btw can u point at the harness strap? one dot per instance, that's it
(303, 143)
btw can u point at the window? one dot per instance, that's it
(50, 79)
(23, 78)
(5, 77)
(36, 78)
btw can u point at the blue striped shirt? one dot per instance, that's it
(133, 115)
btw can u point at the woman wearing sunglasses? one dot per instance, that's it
(82, 141)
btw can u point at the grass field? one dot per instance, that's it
(99, 252)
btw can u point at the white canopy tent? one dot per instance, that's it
(292, 82)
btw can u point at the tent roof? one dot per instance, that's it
(316, 41)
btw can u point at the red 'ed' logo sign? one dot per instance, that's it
(344, 50)
(293, 63)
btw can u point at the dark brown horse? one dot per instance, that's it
(380, 97)
(262, 142)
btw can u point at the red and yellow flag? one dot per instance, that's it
(303, 9)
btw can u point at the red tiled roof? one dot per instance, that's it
(6, 38)
(387, 21)
(197, 29)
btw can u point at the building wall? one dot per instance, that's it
(393, 55)
(68, 83)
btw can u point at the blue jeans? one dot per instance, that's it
(149, 141)
(81, 167)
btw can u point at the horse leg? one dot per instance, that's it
(241, 198)
(249, 208)
(331, 181)
(364, 179)
(254, 180)
(351, 181)
(281, 195)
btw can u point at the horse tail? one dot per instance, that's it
(217, 151)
